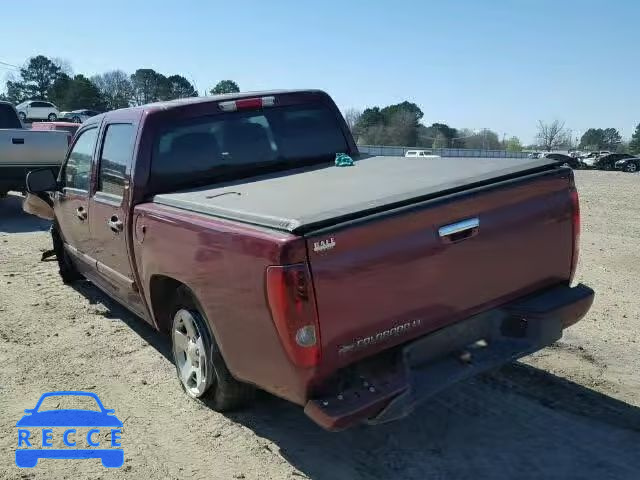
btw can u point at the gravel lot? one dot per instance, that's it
(570, 411)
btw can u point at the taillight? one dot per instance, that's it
(575, 205)
(293, 309)
(247, 104)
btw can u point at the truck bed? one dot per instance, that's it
(299, 200)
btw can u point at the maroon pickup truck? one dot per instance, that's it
(354, 291)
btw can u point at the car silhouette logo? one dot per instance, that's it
(27, 453)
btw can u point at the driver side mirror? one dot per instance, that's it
(41, 180)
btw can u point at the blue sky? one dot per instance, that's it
(469, 63)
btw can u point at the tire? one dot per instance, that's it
(76, 120)
(214, 384)
(52, 117)
(68, 272)
(631, 167)
(22, 116)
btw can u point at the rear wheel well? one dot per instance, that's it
(162, 291)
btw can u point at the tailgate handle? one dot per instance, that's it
(458, 231)
(17, 141)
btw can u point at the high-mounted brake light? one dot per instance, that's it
(293, 309)
(247, 104)
(575, 205)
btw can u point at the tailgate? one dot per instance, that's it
(391, 277)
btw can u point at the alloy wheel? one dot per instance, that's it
(190, 353)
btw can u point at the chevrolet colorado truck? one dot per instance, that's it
(353, 291)
(22, 150)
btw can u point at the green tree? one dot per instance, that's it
(484, 139)
(57, 93)
(225, 86)
(439, 133)
(179, 87)
(513, 145)
(38, 76)
(16, 92)
(409, 107)
(115, 88)
(592, 139)
(612, 138)
(370, 117)
(396, 124)
(82, 93)
(401, 128)
(148, 86)
(634, 144)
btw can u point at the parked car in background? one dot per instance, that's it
(64, 126)
(37, 110)
(79, 116)
(608, 161)
(22, 150)
(565, 159)
(589, 160)
(383, 283)
(629, 164)
(534, 155)
(420, 153)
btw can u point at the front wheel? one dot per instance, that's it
(76, 120)
(631, 167)
(52, 117)
(199, 364)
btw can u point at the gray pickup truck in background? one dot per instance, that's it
(22, 150)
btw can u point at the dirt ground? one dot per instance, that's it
(570, 411)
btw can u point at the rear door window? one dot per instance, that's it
(117, 150)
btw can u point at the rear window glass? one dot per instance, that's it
(241, 144)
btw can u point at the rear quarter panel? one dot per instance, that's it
(224, 264)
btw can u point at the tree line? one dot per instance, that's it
(43, 78)
(399, 125)
(554, 135)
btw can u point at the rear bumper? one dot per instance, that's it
(389, 387)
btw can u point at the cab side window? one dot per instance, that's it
(117, 151)
(77, 172)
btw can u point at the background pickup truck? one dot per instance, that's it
(353, 291)
(22, 150)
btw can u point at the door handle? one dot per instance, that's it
(81, 213)
(17, 141)
(115, 224)
(458, 231)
